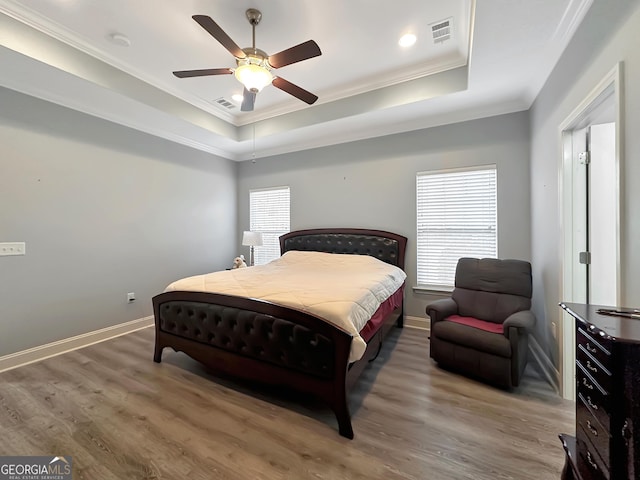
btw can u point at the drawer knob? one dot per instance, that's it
(592, 429)
(587, 384)
(591, 462)
(591, 404)
(626, 434)
(591, 367)
(590, 348)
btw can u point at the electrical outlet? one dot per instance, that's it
(131, 296)
(12, 248)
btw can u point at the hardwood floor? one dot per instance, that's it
(121, 416)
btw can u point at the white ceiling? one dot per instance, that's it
(499, 54)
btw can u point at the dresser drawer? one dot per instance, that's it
(590, 465)
(591, 383)
(597, 403)
(607, 375)
(598, 347)
(596, 370)
(589, 428)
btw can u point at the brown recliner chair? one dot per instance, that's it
(482, 330)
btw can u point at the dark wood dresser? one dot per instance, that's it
(607, 397)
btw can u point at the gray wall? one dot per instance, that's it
(105, 210)
(610, 33)
(371, 183)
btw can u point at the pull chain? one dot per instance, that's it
(253, 155)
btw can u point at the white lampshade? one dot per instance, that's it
(253, 77)
(252, 239)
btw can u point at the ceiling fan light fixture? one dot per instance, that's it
(254, 66)
(253, 77)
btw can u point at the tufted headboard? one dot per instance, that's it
(386, 246)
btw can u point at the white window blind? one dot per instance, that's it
(269, 214)
(457, 217)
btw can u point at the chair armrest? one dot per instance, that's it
(524, 319)
(441, 309)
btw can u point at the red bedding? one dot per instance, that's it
(385, 308)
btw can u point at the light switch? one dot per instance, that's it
(12, 248)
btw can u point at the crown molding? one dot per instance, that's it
(42, 24)
(340, 93)
(569, 23)
(66, 101)
(339, 135)
(571, 19)
(33, 19)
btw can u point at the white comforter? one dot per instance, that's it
(345, 290)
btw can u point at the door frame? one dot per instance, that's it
(609, 87)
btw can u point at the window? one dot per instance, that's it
(457, 217)
(269, 214)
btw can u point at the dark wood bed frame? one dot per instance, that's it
(273, 344)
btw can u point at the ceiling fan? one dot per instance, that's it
(253, 66)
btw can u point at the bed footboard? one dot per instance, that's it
(259, 341)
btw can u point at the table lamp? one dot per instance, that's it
(251, 239)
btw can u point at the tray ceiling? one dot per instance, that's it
(115, 60)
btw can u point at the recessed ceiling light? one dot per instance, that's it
(120, 39)
(237, 97)
(407, 40)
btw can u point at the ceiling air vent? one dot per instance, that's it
(441, 30)
(224, 103)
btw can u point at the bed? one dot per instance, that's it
(275, 344)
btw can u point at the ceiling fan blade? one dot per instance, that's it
(248, 99)
(308, 49)
(216, 32)
(294, 90)
(203, 73)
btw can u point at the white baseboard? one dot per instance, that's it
(41, 352)
(417, 322)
